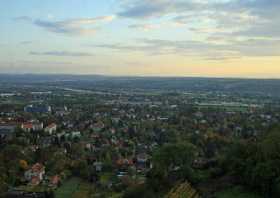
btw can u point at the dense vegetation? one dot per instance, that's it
(144, 144)
(252, 164)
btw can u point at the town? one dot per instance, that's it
(63, 141)
(140, 99)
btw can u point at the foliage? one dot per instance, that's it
(23, 164)
(257, 163)
(236, 192)
(171, 162)
(139, 191)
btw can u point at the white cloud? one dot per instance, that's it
(61, 53)
(76, 27)
(145, 27)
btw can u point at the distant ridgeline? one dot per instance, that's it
(229, 85)
(184, 190)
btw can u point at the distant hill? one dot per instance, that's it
(242, 86)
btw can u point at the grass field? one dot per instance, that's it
(236, 192)
(74, 188)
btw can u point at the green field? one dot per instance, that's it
(74, 188)
(236, 192)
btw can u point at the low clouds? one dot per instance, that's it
(206, 50)
(190, 48)
(87, 21)
(80, 26)
(23, 18)
(62, 27)
(157, 8)
(227, 28)
(61, 53)
(247, 18)
(145, 27)
(26, 42)
(74, 27)
(223, 29)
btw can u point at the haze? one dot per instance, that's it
(210, 38)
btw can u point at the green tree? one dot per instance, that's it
(171, 160)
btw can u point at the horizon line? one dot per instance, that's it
(145, 76)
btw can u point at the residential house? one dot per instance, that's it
(54, 181)
(97, 127)
(7, 131)
(27, 126)
(98, 166)
(35, 174)
(75, 134)
(32, 126)
(142, 161)
(50, 129)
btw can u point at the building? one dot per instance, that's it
(50, 129)
(98, 166)
(32, 126)
(37, 109)
(27, 127)
(142, 161)
(54, 181)
(97, 127)
(75, 134)
(35, 174)
(7, 131)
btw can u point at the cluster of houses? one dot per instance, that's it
(122, 133)
(36, 175)
(35, 125)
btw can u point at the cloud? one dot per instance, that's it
(145, 27)
(257, 47)
(243, 18)
(23, 18)
(60, 53)
(88, 21)
(215, 49)
(62, 27)
(224, 29)
(74, 27)
(156, 8)
(228, 29)
(158, 47)
(26, 42)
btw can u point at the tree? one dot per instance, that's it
(171, 161)
(257, 164)
(23, 164)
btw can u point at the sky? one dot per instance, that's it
(205, 38)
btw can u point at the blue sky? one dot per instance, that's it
(219, 38)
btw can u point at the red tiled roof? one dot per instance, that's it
(27, 125)
(55, 179)
(51, 126)
(35, 181)
(37, 167)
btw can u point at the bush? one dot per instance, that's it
(139, 191)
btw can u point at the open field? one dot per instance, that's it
(236, 192)
(73, 188)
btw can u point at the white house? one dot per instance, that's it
(50, 129)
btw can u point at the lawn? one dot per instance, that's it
(236, 192)
(74, 188)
